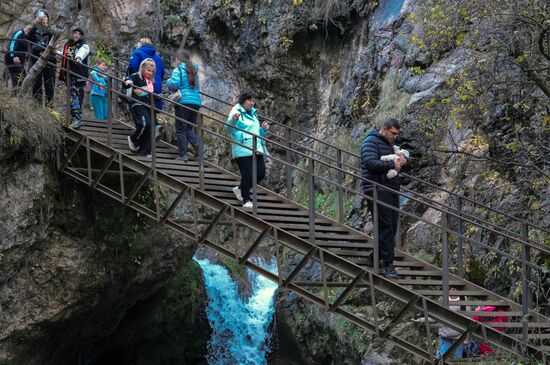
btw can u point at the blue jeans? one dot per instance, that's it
(99, 103)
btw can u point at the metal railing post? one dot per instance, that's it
(341, 178)
(375, 219)
(152, 126)
(254, 175)
(445, 258)
(398, 240)
(67, 91)
(311, 188)
(526, 279)
(201, 151)
(459, 240)
(110, 111)
(114, 101)
(289, 165)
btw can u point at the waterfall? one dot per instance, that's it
(239, 327)
(387, 12)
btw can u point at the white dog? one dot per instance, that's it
(397, 152)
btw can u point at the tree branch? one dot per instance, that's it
(38, 66)
(539, 81)
(542, 35)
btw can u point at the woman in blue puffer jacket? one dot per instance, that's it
(243, 116)
(185, 79)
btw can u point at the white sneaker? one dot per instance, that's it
(248, 205)
(237, 193)
(133, 148)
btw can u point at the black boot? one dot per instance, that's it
(389, 271)
(370, 262)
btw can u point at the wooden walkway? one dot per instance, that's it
(419, 285)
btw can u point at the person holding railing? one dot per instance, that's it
(142, 92)
(243, 116)
(40, 35)
(75, 59)
(16, 56)
(185, 79)
(145, 49)
(377, 144)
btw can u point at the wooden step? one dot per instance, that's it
(471, 293)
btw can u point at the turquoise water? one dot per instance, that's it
(240, 328)
(388, 11)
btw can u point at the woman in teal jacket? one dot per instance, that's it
(185, 79)
(243, 116)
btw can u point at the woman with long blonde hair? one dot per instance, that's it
(143, 90)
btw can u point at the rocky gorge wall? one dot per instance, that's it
(83, 279)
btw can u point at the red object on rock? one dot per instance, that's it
(485, 349)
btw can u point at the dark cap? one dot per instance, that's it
(42, 12)
(79, 30)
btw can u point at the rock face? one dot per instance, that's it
(77, 267)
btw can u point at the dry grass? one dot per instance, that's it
(27, 131)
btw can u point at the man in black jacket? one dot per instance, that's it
(40, 34)
(16, 56)
(75, 59)
(378, 144)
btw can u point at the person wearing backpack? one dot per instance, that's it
(185, 79)
(75, 60)
(98, 91)
(16, 56)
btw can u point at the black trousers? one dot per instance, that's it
(47, 78)
(184, 132)
(17, 74)
(387, 224)
(142, 134)
(245, 167)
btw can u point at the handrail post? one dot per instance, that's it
(459, 240)
(116, 86)
(375, 220)
(289, 164)
(311, 188)
(341, 178)
(67, 91)
(152, 131)
(110, 111)
(398, 240)
(201, 151)
(445, 258)
(526, 279)
(254, 175)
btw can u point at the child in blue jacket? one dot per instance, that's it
(98, 93)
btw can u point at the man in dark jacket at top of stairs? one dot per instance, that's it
(145, 50)
(379, 143)
(16, 56)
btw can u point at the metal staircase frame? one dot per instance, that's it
(89, 157)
